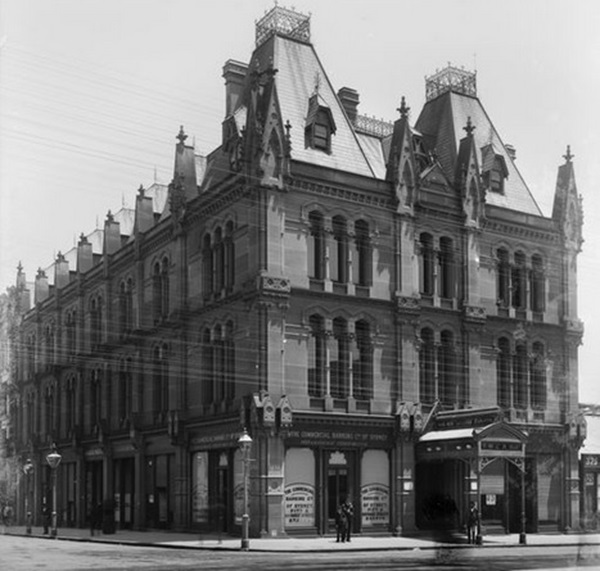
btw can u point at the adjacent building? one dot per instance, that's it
(383, 306)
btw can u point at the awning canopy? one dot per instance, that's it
(496, 440)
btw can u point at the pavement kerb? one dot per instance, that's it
(258, 549)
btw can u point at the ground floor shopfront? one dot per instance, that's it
(400, 482)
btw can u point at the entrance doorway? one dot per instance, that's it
(340, 483)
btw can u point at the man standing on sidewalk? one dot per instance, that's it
(348, 510)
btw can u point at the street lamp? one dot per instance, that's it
(53, 460)
(245, 444)
(28, 469)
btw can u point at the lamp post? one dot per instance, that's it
(27, 469)
(53, 460)
(245, 444)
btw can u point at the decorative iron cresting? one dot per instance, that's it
(373, 126)
(283, 21)
(451, 78)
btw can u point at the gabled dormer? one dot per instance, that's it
(467, 177)
(320, 126)
(493, 169)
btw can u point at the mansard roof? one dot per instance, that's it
(442, 121)
(299, 74)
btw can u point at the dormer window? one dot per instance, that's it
(319, 125)
(494, 170)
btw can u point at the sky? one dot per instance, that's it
(92, 94)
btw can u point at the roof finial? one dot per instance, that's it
(181, 135)
(110, 217)
(568, 156)
(469, 127)
(141, 191)
(20, 267)
(403, 109)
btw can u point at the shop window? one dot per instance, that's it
(316, 246)
(427, 367)
(316, 356)
(503, 371)
(427, 264)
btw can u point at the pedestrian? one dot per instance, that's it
(348, 510)
(341, 523)
(95, 518)
(472, 523)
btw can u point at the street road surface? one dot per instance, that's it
(32, 554)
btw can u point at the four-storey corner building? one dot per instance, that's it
(383, 306)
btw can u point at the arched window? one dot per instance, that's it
(208, 372)
(31, 355)
(219, 363)
(339, 363)
(49, 410)
(538, 285)
(538, 377)
(427, 367)
(122, 308)
(316, 356)
(448, 388)
(161, 379)
(229, 257)
(96, 398)
(520, 377)
(362, 265)
(219, 260)
(96, 322)
(49, 345)
(207, 266)
(70, 326)
(519, 282)
(125, 390)
(503, 278)
(503, 370)
(70, 404)
(447, 273)
(229, 362)
(362, 367)
(427, 264)
(316, 246)
(338, 259)
(165, 290)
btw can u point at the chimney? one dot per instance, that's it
(22, 290)
(85, 256)
(349, 99)
(42, 289)
(144, 213)
(512, 152)
(234, 73)
(61, 271)
(112, 235)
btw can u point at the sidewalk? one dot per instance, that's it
(294, 544)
